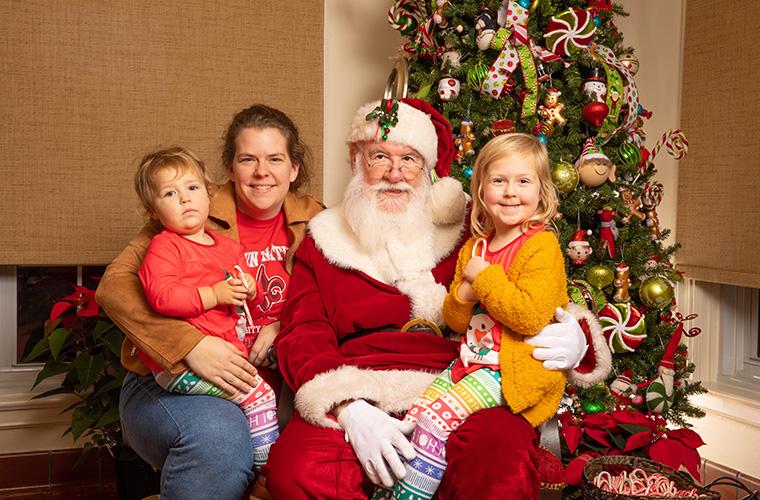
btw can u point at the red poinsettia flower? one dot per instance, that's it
(83, 299)
(676, 448)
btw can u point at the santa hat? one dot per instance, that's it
(591, 152)
(553, 92)
(418, 125)
(579, 238)
(622, 267)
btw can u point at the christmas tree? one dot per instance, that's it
(559, 70)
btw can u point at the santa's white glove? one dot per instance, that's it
(377, 440)
(561, 346)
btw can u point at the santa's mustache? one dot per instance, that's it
(402, 186)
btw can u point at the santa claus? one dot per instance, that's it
(382, 257)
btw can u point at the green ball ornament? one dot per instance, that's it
(590, 407)
(585, 295)
(476, 75)
(656, 292)
(564, 177)
(600, 276)
(630, 155)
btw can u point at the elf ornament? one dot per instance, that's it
(608, 231)
(623, 327)
(551, 111)
(594, 168)
(579, 250)
(622, 283)
(660, 395)
(464, 140)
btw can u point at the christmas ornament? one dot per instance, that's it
(499, 127)
(656, 292)
(594, 168)
(525, 4)
(543, 139)
(569, 31)
(475, 75)
(579, 249)
(591, 407)
(582, 293)
(438, 13)
(631, 63)
(463, 141)
(632, 204)
(597, 21)
(485, 28)
(623, 387)
(551, 110)
(452, 59)
(600, 276)
(386, 114)
(621, 283)
(660, 395)
(630, 154)
(448, 88)
(623, 326)
(595, 112)
(467, 173)
(564, 177)
(608, 231)
(653, 223)
(402, 16)
(631, 93)
(674, 141)
(594, 86)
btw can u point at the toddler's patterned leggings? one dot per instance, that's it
(440, 410)
(259, 406)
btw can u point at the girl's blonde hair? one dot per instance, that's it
(497, 148)
(176, 158)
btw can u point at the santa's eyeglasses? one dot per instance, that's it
(381, 162)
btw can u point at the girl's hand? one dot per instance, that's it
(230, 292)
(260, 347)
(222, 364)
(465, 292)
(474, 267)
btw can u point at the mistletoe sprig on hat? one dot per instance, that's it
(386, 114)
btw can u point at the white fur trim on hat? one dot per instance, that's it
(414, 129)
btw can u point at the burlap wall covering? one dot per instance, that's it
(719, 181)
(90, 86)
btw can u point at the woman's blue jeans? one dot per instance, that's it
(201, 443)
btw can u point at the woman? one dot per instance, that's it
(201, 443)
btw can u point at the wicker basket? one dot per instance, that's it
(619, 463)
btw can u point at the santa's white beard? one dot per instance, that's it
(376, 227)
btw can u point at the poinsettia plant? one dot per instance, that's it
(627, 432)
(82, 345)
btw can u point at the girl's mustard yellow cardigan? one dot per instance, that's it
(523, 300)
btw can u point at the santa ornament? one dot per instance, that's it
(579, 250)
(594, 168)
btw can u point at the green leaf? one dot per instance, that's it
(82, 419)
(113, 339)
(51, 368)
(109, 417)
(53, 392)
(56, 340)
(617, 440)
(88, 369)
(86, 449)
(41, 347)
(101, 327)
(114, 384)
(423, 91)
(634, 428)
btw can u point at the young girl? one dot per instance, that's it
(509, 280)
(200, 276)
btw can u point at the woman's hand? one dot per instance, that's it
(230, 292)
(260, 347)
(474, 267)
(222, 364)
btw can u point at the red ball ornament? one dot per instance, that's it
(644, 157)
(595, 113)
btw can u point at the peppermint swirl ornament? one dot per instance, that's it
(570, 31)
(623, 326)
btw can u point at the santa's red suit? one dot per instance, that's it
(340, 341)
